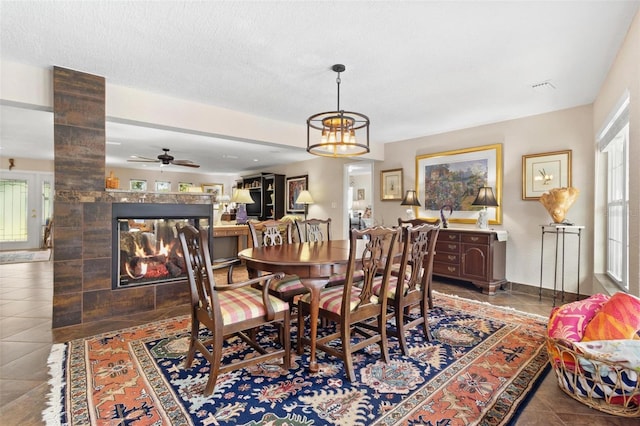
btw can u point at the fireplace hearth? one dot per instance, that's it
(145, 246)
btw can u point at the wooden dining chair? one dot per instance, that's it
(416, 266)
(275, 233)
(229, 309)
(409, 223)
(353, 305)
(313, 230)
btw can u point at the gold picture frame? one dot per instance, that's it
(391, 185)
(545, 171)
(215, 189)
(449, 181)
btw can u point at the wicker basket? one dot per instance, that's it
(609, 387)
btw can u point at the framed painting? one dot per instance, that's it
(545, 171)
(295, 185)
(391, 185)
(449, 181)
(162, 186)
(184, 186)
(137, 185)
(215, 189)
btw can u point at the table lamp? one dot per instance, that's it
(241, 197)
(305, 198)
(484, 198)
(410, 199)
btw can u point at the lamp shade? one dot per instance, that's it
(242, 196)
(304, 198)
(410, 199)
(485, 197)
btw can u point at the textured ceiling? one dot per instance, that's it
(415, 68)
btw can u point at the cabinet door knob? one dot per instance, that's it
(451, 268)
(452, 237)
(452, 246)
(474, 238)
(451, 257)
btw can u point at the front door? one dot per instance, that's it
(25, 205)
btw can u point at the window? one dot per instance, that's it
(613, 151)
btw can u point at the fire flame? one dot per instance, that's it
(138, 267)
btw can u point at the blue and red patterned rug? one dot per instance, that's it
(480, 368)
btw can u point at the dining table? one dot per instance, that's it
(312, 262)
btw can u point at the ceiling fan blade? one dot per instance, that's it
(186, 163)
(143, 160)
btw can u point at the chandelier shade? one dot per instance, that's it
(338, 133)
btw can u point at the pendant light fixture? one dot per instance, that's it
(338, 133)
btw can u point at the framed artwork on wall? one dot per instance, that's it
(545, 171)
(184, 186)
(162, 186)
(137, 185)
(450, 181)
(294, 186)
(391, 185)
(215, 189)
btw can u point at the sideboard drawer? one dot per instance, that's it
(447, 269)
(476, 238)
(447, 247)
(448, 236)
(447, 257)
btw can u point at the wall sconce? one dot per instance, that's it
(305, 198)
(411, 199)
(484, 198)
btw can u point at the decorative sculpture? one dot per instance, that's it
(557, 201)
(445, 222)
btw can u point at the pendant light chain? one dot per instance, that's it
(338, 81)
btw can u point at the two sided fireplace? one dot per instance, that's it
(146, 249)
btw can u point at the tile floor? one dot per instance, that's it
(26, 292)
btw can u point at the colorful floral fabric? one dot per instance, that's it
(619, 318)
(568, 322)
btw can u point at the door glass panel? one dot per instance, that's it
(13, 210)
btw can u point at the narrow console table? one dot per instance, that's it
(240, 232)
(559, 231)
(474, 255)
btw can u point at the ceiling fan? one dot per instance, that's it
(165, 159)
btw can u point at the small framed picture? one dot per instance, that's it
(295, 185)
(184, 186)
(137, 185)
(545, 171)
(391, 185)
(215, 189)
(163, 186)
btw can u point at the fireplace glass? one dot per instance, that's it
(148, 250)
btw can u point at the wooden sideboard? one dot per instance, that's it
(474, 255)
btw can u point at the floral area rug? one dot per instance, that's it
(479, 369)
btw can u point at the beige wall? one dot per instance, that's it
(326, 183)
(561, 130)
(624, 75)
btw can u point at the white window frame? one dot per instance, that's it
(613, 147)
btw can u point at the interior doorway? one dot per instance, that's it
(358, 195)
